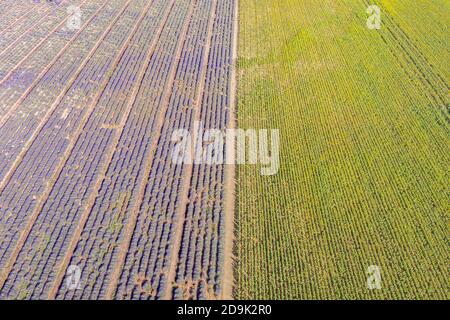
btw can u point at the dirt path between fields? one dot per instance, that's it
(230, 173)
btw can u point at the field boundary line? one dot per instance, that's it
(129, 227)
(24, 95)
(50, 184)
(93, 196)
(230, 174)
(29, 29)
(187, 180)
(47, 116)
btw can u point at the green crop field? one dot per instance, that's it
(364, 150)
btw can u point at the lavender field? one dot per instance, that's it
(91, 205)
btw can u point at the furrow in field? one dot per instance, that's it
(426, 24)
(410, 46)
(60, 123)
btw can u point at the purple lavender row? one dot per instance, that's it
(148, 257)
(10, 57)
(201, 256)
(32, 17)
(80, 173)
(17, 199)
(13, 88)
(29, 181)
(23, 124)
(88, 81)
(104, 228)
(6, 8)
(9, 15)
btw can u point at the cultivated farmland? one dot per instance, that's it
(86, 178)
(363, 180)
